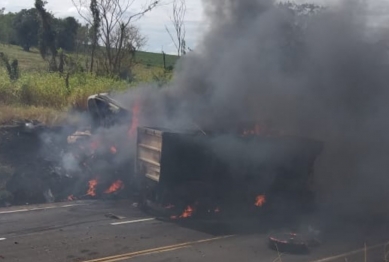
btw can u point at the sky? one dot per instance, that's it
(153, 24)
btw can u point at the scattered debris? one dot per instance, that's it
(113, 216)
(54, 164)
(49, 196)
(292, 242)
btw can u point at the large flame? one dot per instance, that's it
(188, 212)
(117, 185)
(135, 119)
(92, 187)
(260, 200)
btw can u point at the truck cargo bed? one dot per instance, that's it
(189, 168)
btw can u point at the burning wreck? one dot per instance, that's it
(182, 173)
(183, 170)
(185, 173)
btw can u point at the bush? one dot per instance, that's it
(12, 68)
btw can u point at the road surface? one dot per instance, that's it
(118, 231)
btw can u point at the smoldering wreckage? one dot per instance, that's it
(175, 173)
(272, 115)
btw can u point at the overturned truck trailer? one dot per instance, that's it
(226, 173)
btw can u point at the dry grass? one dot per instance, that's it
(49, 116)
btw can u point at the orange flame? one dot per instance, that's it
(117, 185)
(71, 198)
(113, 150)
(92, 187)
(135, 119)
(188, 212)
(260, 200)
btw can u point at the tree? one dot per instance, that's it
(95, 29)
(132, 40)
(82, 39)
(26, 26)
(7, 31)
(294, 46)
(179, 11)
(66, 33)
(47, 35)
(115, 20)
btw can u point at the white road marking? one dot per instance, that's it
(133, 221)
(37, 208)
(2, 238)
(13, 211)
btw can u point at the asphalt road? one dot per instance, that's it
(85, 231)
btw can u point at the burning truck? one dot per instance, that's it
(189, 173)
(188, 170)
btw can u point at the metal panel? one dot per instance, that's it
(149, 147)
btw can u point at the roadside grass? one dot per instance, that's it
(49, 116)
(50, 90)
(44, 96)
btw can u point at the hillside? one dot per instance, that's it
(33, 61)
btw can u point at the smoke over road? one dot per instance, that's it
(306, 71)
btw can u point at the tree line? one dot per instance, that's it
(106, 36)
(23, 28)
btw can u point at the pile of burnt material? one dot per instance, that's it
(20, 148)
(54, 164)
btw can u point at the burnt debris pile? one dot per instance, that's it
(52, 164)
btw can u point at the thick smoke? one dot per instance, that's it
(320, 74)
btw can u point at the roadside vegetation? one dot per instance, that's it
(49, 65)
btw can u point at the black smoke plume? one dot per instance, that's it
(304, 70)
(307, 71)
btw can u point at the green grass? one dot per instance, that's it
(28, 61)
(42, 89)
(154, 59)
(38, 94)
(32, 61)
